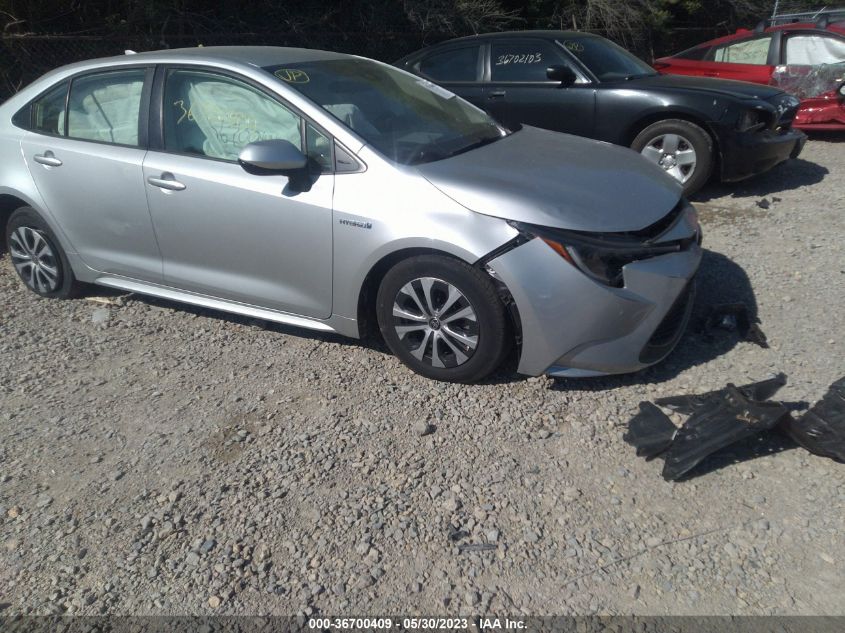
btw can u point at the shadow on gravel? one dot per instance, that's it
(747, 450)
(720, 280)
(827, 137)
(787, 176)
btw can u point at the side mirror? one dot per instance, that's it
(274, 156)
(564, 74)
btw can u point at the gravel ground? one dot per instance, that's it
(162, 459)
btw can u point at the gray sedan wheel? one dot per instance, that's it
(442, 318)
(37, 257)
(681, 149)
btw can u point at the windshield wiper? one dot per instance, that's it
(640, 76)
(475, 145)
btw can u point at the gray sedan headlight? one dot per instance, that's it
(600, 256)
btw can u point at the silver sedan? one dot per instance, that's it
(335, 193)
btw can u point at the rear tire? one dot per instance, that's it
(681, 148)
(443, 318)
(38, 258)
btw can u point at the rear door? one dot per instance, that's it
(85, 151)
(518, 90)
(748, 59)
(256, 239)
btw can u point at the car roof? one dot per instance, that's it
(550, 34)
(260, 56)
(837, 28)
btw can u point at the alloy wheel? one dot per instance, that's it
(34, 259)
(674, 154)
(435, 322)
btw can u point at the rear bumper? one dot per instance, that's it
(575, 327)
(746, 154)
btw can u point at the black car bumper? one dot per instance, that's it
(746, 154)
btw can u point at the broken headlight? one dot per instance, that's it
(751, 121)
(600, 256)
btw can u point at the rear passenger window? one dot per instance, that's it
(105, 107)
(754, 52)
(48, 112)
(693, 54)
(459, 64)
(523, 61)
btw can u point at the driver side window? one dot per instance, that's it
(215, 116)
(523, 60)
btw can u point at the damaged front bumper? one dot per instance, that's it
(575, 326)
(746, 154)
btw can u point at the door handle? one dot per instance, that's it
(47, 158)
(496, 94)
(166, 181)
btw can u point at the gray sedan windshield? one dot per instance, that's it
(406, 118)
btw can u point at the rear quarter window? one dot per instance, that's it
(457, 64)
(46, 114)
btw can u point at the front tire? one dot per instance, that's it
(443, 318)
(681, 148)
(37, 257)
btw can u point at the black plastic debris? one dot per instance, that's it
(821, 430)
(735, 317)
(759, 391)
(718, 419)
(726, 417)
(650, 431)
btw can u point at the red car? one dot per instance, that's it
(804, 58)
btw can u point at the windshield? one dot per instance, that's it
(606, 60)
(406, 118)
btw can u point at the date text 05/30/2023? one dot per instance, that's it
(416, 624)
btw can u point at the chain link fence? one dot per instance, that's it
(24, 58)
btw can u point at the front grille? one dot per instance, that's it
(671, 327)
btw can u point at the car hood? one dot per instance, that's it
(721, 87)
(557, 180)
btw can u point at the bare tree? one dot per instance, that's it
(458, 17)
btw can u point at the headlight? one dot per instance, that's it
(599, 256)
(751, 120)
(842, 89)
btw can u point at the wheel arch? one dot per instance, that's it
(9, 203)
(366, 309)
(667, 115)
(682, 115)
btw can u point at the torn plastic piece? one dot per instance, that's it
(735, 317)
(821, 430)
(758, 391)
(726, 417)
(650, 431)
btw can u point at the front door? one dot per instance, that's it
(255, 239)
(520, 92)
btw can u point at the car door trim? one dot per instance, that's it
(214, 303)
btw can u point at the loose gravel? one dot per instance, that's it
(160, 459)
